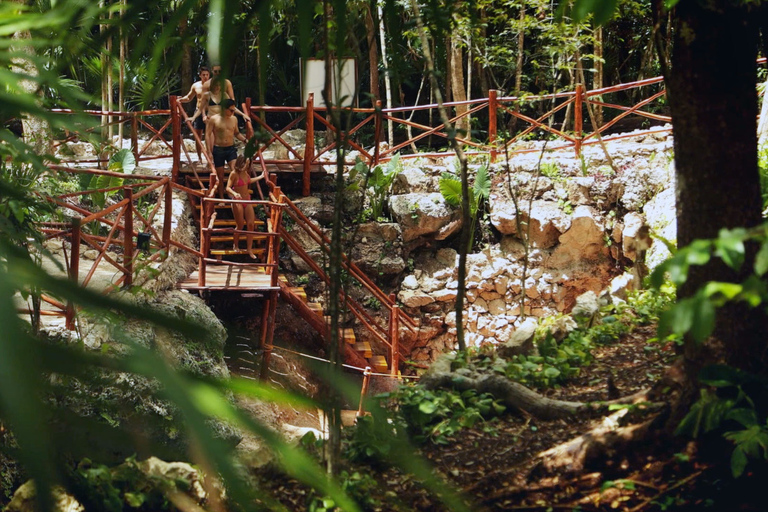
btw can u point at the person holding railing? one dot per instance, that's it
(238, 187)
(215, 91)
(220, 134)
(197, 119)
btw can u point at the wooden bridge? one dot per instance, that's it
(123, 224)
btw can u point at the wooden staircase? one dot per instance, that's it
(355, 353)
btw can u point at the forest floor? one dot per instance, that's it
(497, 464)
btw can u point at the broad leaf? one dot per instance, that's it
(450, 188)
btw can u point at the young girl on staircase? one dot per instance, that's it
(238, 187)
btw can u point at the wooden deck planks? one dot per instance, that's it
(228, 277)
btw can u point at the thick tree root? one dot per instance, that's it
(519, 398)
(513, 395)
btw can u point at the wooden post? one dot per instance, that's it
(176, 138)
(271, 307)
(377, 134)
(248, 126)
(394, 337)
(578, 119)
(74, 271)
(167, 217)
(135, 136)
(364, 391)
(309, 146)
(205, 217)
(493, 105)
(128, 237)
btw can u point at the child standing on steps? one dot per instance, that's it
(238, 187)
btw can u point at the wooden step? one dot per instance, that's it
(348, 335)
(231, 252)
(299, 292)
(379, 364)
(364, 348)
(316, 307)
(222, 223)
(230, 238)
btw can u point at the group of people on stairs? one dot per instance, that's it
(214, 120)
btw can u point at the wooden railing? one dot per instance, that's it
(139, 126)
(387, 334)
(562, 115)
(118, 227)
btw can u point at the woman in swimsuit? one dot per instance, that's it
(210, 104)
(238, 187)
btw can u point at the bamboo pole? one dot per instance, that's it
(309, 147)
(74, 271)
(128, 237)
(493, 106)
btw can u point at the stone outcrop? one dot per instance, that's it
(421, 214)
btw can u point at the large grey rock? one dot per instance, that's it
(420, 214)
(635, 235)
(521, 340)
(379, 249)
(25, 500)
(411, 181)
(548, 221)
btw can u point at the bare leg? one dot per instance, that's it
(220, 181)
(250, 217)
(237, 210)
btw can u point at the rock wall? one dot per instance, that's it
(585, 223)
(560, 225)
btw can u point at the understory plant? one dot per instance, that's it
(378, 180)
(450, 188)
(731, 401)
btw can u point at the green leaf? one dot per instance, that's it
(428, 407)
(134, 500)
(715, 290)
(450, 188)
(738, 462)
(729, 246)
(482, 187)
(761, 260)
(122, 161)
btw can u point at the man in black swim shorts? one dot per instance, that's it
(220, 134)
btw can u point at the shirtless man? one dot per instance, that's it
(220, 133)
(197, 91)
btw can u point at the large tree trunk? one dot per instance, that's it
(458, 90)
(36, 131)
(373, 53)
(714, 106)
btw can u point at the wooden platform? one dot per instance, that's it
(229, 277)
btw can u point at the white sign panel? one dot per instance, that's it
(313, 80)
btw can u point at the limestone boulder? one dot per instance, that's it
(413, 180)
(421, 214)
(378, 250)
(547, 221)
(520, 341)
(582, 242)
(635, 235)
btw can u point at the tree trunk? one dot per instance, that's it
(387, 75)
(520, 54)
(187, 73)
(36, 131)
(714, 106)
(459, 92)
(373, 53)
(597, 81)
